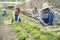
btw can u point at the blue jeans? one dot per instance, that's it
(48, 20)
(50, 16)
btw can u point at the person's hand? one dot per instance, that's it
(45, 24)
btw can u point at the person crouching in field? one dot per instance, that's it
(4, 14)
(47, 15)
(16, 15)
(35, 12)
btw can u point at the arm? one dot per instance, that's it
(18, 17)
(32, 11)
(6, 13)
(37, 13)
(14, 15)
(40, 18)
(55, 16)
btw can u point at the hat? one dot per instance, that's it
(45, 5)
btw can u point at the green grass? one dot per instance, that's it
(26, 10)
(38, 34)
(21, 35)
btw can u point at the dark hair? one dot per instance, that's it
(46, 9)
(35, 7)
(18, 9)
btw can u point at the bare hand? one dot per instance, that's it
(45, 24)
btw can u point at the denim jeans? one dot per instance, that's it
(50, 16)
(48, 20)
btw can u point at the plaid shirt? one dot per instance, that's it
(45, 15)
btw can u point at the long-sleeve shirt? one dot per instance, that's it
(45, 15)
(4, 13)
(14, 16)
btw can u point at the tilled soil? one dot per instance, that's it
(7, 33)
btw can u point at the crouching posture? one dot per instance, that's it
(16, 15)
(4, 15)
(35, 12)
(47, 15)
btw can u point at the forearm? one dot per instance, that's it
(18, 18)
(55, 17)
(41, 20)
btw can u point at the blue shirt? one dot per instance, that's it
(4, 13)
(45, 15)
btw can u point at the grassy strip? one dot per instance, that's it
(21, 35)
(42, 32)
(30, 18)
(37, 22)
(26, 10)
(30, 29)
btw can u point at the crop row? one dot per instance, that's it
(38, 31)
(36, 21)
(20, 34)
